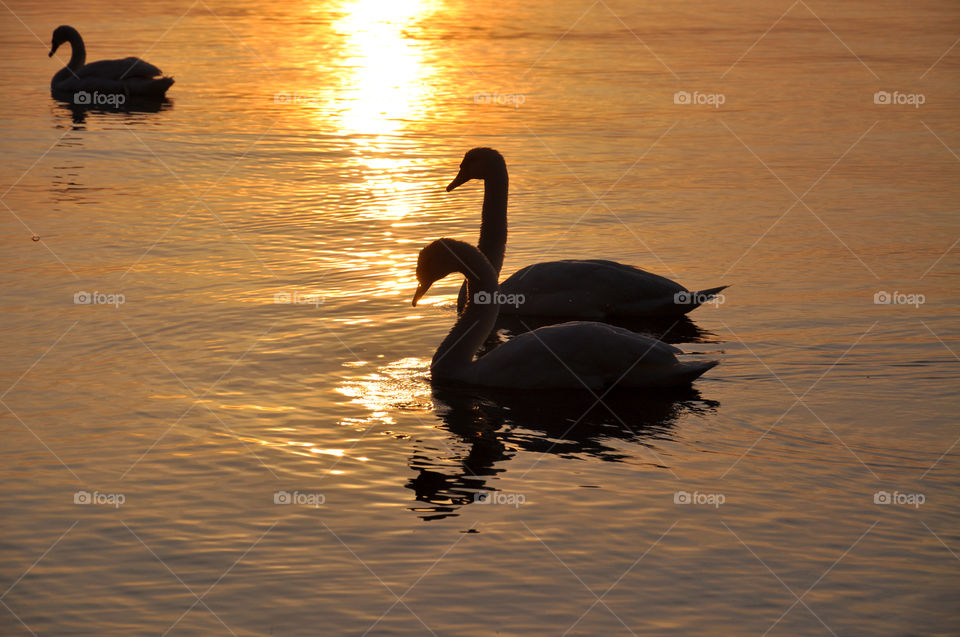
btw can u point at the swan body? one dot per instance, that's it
(574, 355)
(129, 76)
(582, 354)
(587, 289)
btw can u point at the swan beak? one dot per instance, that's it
(458, 180)
(421, 290)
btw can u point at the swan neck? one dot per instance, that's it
(454, 356)
(493, 226)
(78, 57)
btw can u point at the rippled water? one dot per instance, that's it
(304, 151)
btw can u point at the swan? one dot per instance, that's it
(571, 355)
(592, 289)
(128, 77)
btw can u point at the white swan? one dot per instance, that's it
(570, 355)
(129, 76)
(587, 289)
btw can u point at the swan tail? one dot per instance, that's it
(696, 299)
(713, 291)
(689, 372)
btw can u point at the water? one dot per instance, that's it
(304, 152)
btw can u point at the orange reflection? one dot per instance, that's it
(386, 86)
(385, 90)
(400, 385)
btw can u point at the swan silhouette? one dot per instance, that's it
(571, 355)
(129, 76)
(592, 289)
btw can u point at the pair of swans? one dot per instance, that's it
(575, 355)
(129, 77)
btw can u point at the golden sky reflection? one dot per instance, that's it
(383, 77)
(384, 89)
(388, 81)
(397, 385)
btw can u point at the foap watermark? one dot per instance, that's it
(295, 298)
(898, 298)
(485, 298)
(903, 499)
(500, 497)
(698, 298)
(296, 98)
(112, 499)
(500, 99)
(896, 97)
(82, 297)
(704, 99)
(85, 98)
(710, 499)
(300, 498)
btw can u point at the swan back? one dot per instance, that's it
(585, 354)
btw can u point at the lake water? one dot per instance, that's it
(304, 152)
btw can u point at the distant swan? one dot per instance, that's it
(129, 76)
(588, 289)
(571, 355)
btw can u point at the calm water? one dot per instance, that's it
(304, 152)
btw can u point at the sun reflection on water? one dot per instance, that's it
(384, 90)
(386, 86)
(397, 386)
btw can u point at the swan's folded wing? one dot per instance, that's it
(592, 273)
(119, 69)
(615, 271)
(589, 289)
(576, 355)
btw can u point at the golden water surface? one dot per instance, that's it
(262, 467)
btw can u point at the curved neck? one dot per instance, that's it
(78, 57)
(454, 356)
(493, 225)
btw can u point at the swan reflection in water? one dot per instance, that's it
(489, 427)
(78, 112)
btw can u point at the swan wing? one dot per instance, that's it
(119, 69)
(129, 76)
(590, 289)
(583, 354)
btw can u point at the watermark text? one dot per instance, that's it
(300, 498)
(715, 100)
(83, 297)
(710, 499)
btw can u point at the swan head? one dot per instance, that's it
(478, 163)
(61, 34)
(438, 260)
